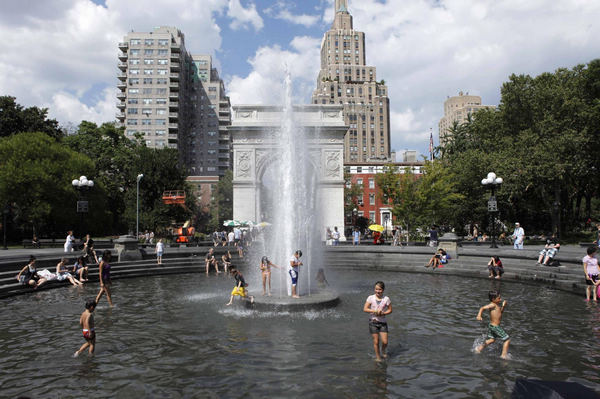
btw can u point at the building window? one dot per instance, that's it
(148, 51)
(134, 81)
(147, 91)
(371, 199)
(147, 81)
(161, 81)
(148, 42)
(161, 101)
(371, 183)
(135, 42)
(162, 61)
(163, 42)
(162, 71)
(161, 111)
(161, 122)
(133, 91)
(163, 52)
(146, 122)
(148, 61)
(147, 111)
(131, 111)
(134, 61)
(132, 121)
(161, 90)
(131, 132)
(148, 71)
(132, 101)
(134, 71)
(372, 216)
(134, 51)
(147, 101)
(359, 181)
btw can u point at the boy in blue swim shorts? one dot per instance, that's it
(294, 264)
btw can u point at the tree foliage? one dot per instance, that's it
(420, 201)
(35, 180)
(543, 141)
(14, 119)
(221, 206)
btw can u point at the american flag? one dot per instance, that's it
(430, 145)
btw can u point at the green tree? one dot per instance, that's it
(14, 118)
(221, 207)
(35, 178)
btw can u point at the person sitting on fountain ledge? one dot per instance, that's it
(294, 264)
(240, 286)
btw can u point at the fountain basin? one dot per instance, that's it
(318, 300)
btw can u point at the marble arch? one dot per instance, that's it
(254, 143)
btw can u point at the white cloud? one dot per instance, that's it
(264, 85)
(281, 10)
(243, 16)
(427, 50)
(62, 54)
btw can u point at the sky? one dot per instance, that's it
(63, 54)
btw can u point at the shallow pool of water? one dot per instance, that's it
(173, 336)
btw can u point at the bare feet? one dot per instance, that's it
(228, 304)
(76, 354)
(295, 296)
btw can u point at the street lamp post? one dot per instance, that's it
(354, 216)
(492, 181)
(82, 185)
(137, 207)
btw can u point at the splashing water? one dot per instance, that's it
(291, 202)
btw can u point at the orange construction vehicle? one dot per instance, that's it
(185, 233)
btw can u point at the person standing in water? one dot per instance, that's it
(265, 268)
(494, 329)
(378, 306)
(294, 264)
(87, 324)
(104, 274)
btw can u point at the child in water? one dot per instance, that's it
(240, 286)
(494, 329)
(87, 324)
(321, 279)
(265, 269)
(378, 307)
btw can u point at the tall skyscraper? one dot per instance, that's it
(345, 79)
(174, 99)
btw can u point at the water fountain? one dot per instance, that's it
(288, 171)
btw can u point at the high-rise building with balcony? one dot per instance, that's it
(345, 79)
(174, 99)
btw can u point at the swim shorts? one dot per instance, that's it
(238, 291)
(497, 332)
(593, 277)
(376, 327)
(294, 276)
(88, 335)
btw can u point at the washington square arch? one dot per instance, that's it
(258, 150)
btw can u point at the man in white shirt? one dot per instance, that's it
(336, 236)
(518, 236)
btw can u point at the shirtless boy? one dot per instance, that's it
(494, 329)
(87, 324)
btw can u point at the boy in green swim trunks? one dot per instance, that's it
(494, 329)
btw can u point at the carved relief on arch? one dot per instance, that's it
(332, 164)
(243, 164)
